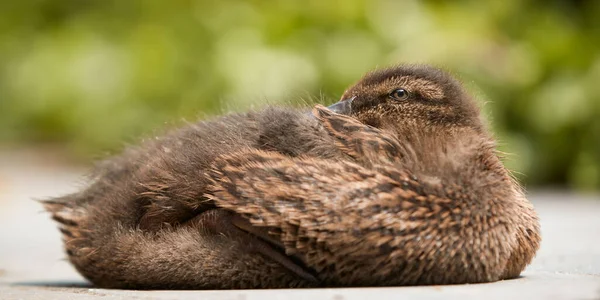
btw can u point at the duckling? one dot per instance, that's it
(397, 184)
(423, 199)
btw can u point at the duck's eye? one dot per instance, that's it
(399, 94)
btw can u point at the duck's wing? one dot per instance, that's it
(354, 225)
(365, 144)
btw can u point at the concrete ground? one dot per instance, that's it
(32, 266)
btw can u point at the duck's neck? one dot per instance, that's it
(446, 152)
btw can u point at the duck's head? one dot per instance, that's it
(410, 96)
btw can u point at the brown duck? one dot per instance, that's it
(397, 184)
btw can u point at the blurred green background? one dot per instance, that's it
(91, 76)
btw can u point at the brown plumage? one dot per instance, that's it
(401, 186)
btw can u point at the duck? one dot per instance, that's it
(398, 183)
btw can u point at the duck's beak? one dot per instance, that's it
(343, 107)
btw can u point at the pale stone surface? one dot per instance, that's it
(32, 265)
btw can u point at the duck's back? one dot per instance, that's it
(162, 180)
(153, 193)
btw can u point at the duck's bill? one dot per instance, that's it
(343, 107)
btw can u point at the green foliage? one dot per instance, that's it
(92, 75)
